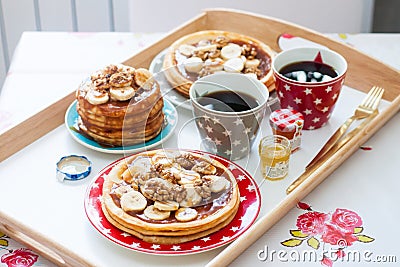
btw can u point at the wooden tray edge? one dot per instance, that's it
(51, 117)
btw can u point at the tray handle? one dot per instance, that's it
(40, 244)
(38, 247)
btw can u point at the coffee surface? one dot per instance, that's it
(228, 101)
(308, 71)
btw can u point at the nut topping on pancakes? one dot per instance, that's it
(154, 207)
(206, 52)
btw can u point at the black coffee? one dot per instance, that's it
(308, 71)
(228, 101)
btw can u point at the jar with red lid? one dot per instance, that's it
(288, 123)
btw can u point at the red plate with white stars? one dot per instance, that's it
(249, 208)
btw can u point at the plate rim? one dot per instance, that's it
(257, 200)
(121, 150)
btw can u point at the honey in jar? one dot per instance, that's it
(274, 151)
(288, 123)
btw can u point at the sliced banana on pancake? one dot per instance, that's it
(231, 51)
(144, 78)
(186, 50)
(133, 201)
(168, 205)
(214, 65)
(122, 93)
(153, 213)
(121, 190)
(193, 64)
(120, 79)
(234, 65)
(204, 168)
(218, 183)
(188, 177)
(164, 159)
(140, 166)
(206, 48)
(192, 197)
(96, 97)
(185, 214)
(252, 63)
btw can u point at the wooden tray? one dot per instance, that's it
(363, 73)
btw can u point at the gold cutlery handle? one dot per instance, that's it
(298, 181)
(310, 169)
(332, 141)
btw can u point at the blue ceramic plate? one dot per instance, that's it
(171, 119)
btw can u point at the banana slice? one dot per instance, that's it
(193, 64)
(185, 214)
(186, 50)
(192, 197)
(214, 65)
(188, 177)
(234, 65)
(144, 78)
(162, 159)
(133, 201)
(206, 48)
(218, 183)
(168, 205)
(252, 63)
(153, 213)
(121, 190)
(95, 97)
(120, 79)
(251, 75)
(204, 168)
(122, 94)
(231, 51)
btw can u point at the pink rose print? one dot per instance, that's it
(312, 222)
(340, 253)
(20, 258)
(335, 236)
(326, 261)
(337, 231)
(346, 219)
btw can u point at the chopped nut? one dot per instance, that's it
(158, 189)
(179, 193)
(204, 167)
(204, 191)
(120, 79)
(110, 69)
(220, 41)
(187, 161)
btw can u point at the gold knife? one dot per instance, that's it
(311, 168)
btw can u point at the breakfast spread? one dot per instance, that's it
(206, 52)
(169, 197)
(120, 105)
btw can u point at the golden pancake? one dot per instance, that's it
(169, 196)
(120, 105)
(206, 52)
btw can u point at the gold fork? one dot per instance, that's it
(366, 108)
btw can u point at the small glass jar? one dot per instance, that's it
(288, 123)
(274, 151)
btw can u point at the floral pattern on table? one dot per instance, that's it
(12, 254)
(333, 232)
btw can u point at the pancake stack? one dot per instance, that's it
(169, 197)
(120, 106)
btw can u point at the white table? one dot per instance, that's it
(47, 66)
